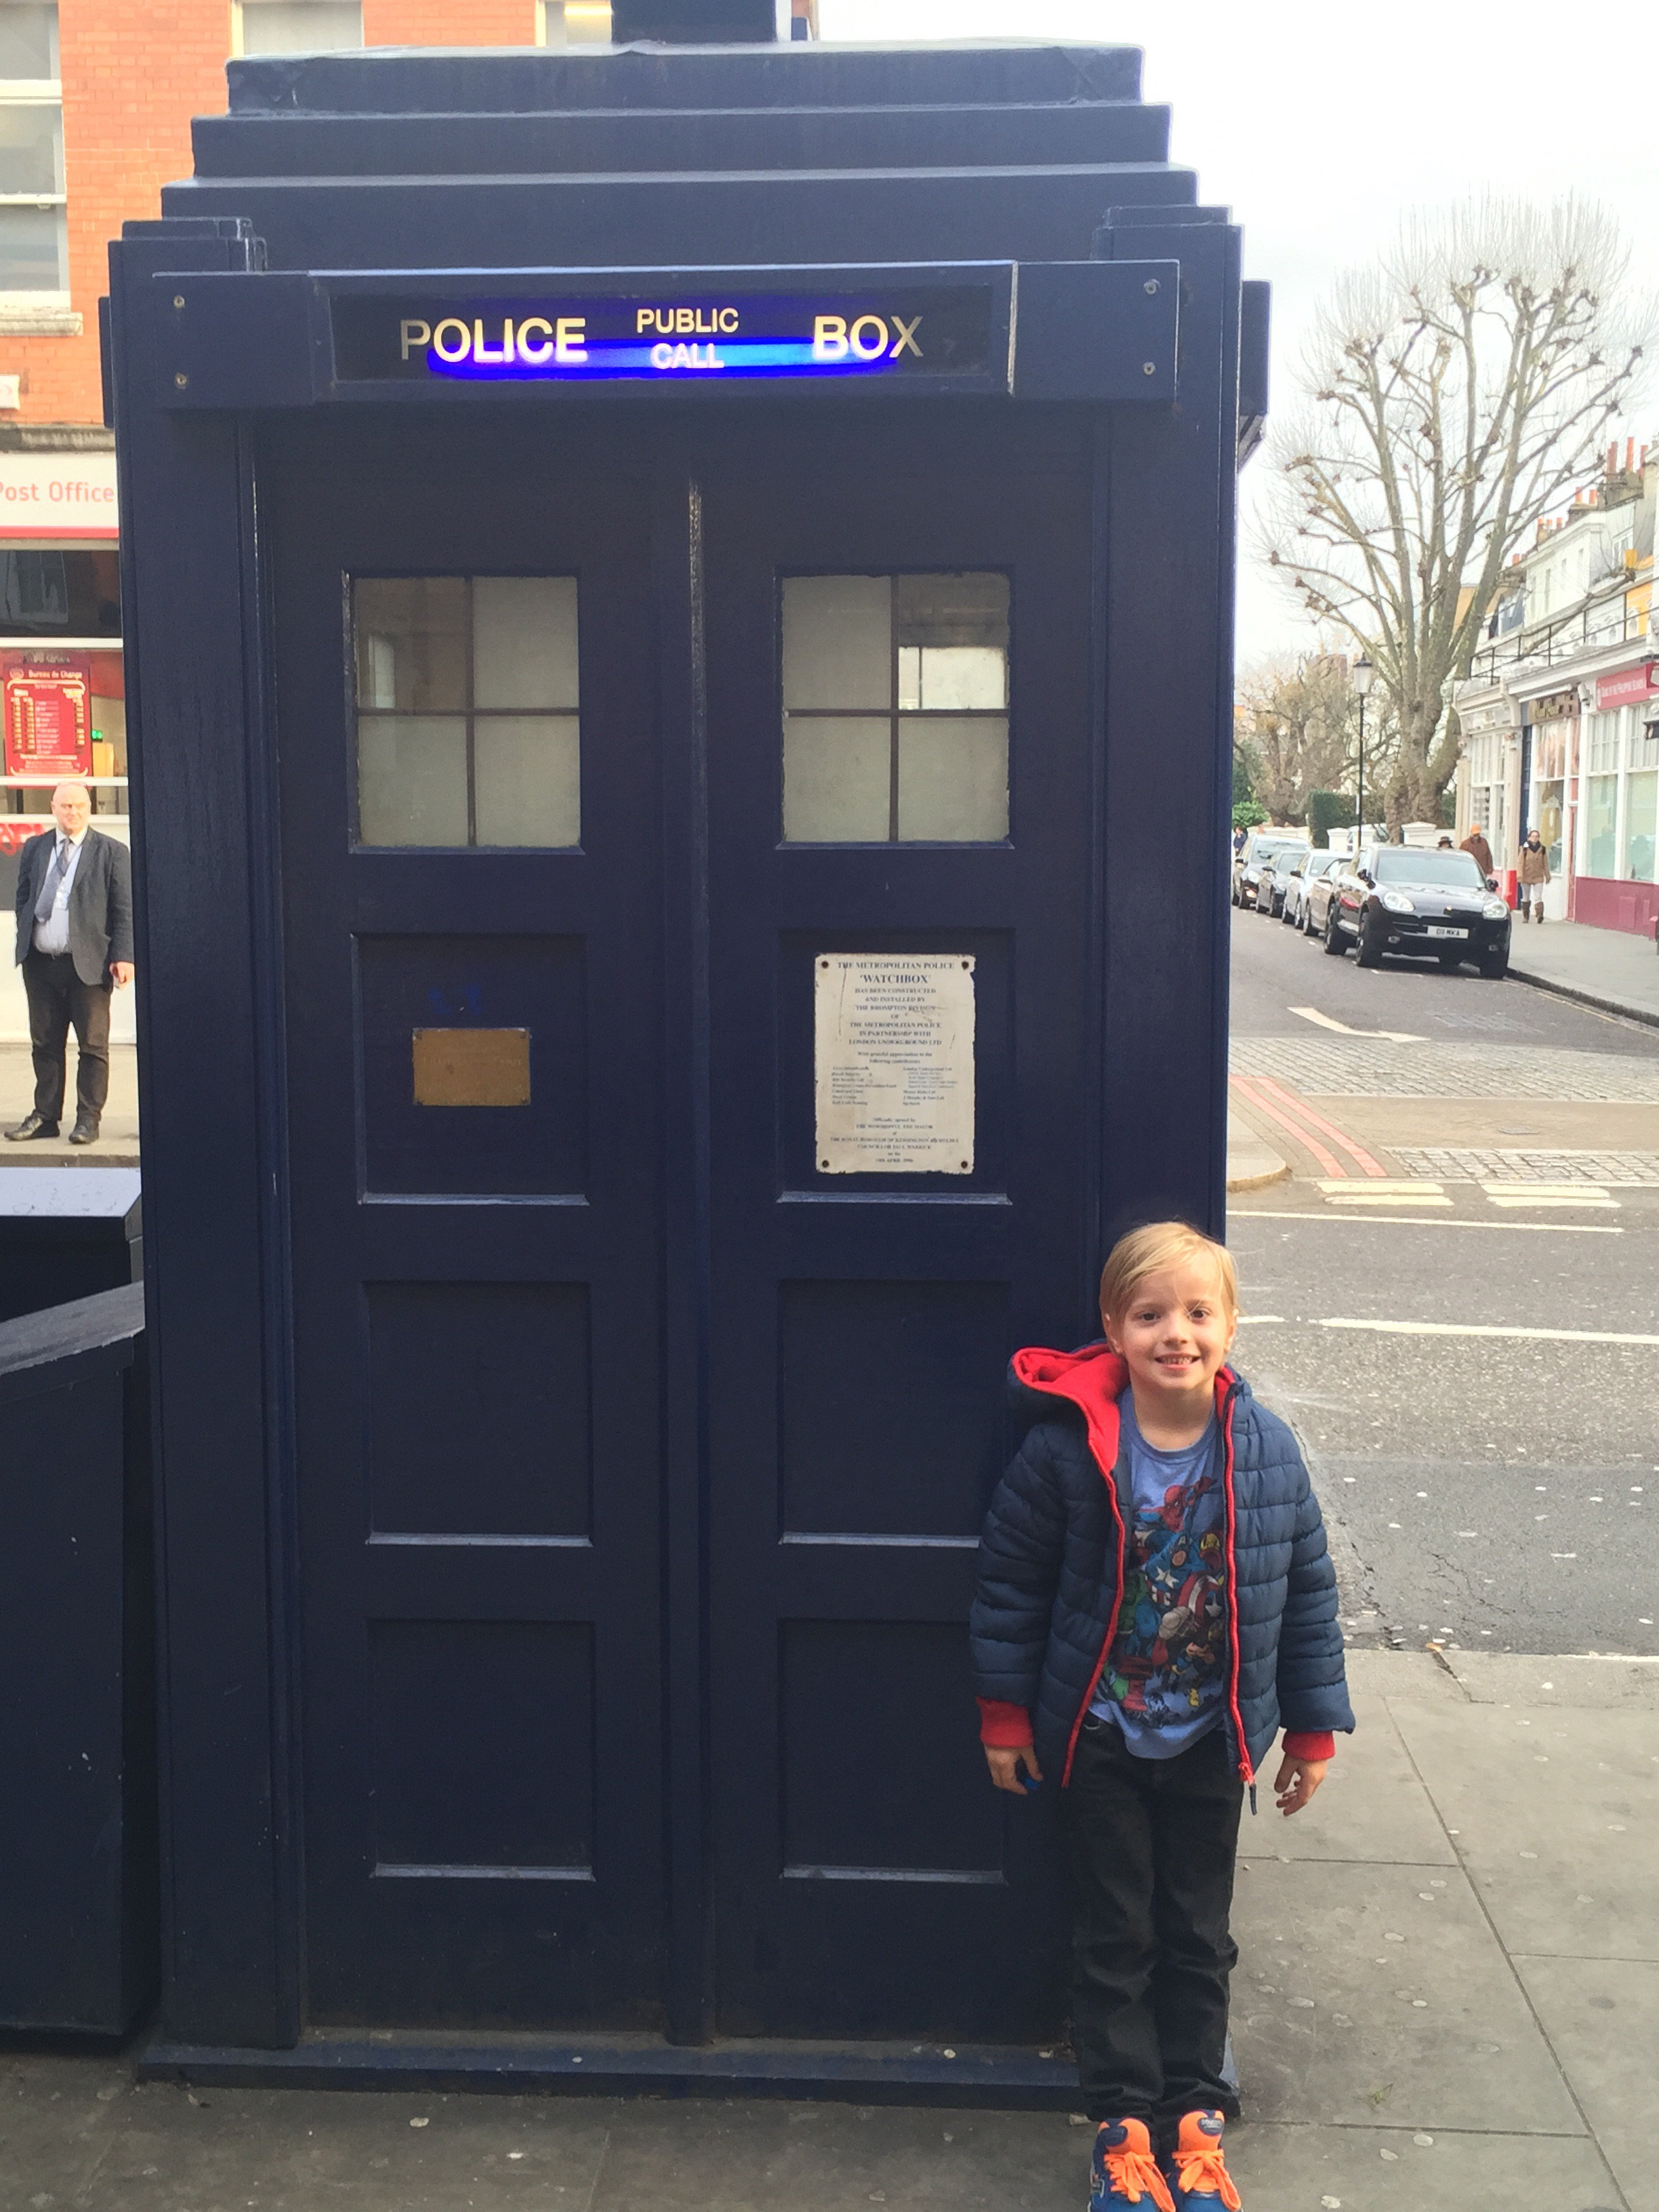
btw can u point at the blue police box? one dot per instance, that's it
(679, 602)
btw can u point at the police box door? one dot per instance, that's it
(465, 717)
(900, 802)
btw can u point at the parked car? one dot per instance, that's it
(1293, 907)
(1247, 867)
(1426, 903)
(1275, 874)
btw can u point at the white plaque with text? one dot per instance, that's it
(894, 1062)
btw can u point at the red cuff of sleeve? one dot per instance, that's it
(1310, 1743)
(1007, 1727)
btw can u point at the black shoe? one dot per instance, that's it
(30, 1127)
(84, 1132)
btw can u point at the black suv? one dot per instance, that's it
(1399, 899)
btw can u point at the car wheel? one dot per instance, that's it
(1370, 948)
(1496, 966)
(1333, 935)
(1284, 914)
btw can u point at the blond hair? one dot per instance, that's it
(1149, 1251)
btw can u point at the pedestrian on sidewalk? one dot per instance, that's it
(1476, 843)
(74, 945)
(1534, 872)
(1154, 1597)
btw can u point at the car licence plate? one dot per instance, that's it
(1434, 930)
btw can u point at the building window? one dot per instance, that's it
(467, 700)
(896, 709)
(295, 26)
(572, 23)
(1601, 818)
(33, 230)
(1640, 822)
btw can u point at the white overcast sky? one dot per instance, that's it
(1318, 125)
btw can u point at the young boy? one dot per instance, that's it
(1154, 1597)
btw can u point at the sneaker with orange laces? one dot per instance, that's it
(1123, 2169)
(1198, 2166)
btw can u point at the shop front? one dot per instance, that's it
(62, 686)
(667, 954)
(1617, 882)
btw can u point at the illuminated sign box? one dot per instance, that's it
(1091, 330)
(571, 338)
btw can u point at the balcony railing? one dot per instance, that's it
(1540, 644)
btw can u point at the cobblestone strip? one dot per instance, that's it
(1455, 1163)
(1378, 1068)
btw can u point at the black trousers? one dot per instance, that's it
(1151, 1844)
(56, 998)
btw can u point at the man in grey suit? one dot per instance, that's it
(74, 945)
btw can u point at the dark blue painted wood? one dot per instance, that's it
(78, 1847)
(844, 1739)
(1005, 2076)
(1170, 536)
(485, 85)
(213, 1269)
(484, 1815)
(714, 1626)
(574, 143)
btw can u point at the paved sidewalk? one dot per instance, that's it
(1252, 1161)
(1448, 2002)
(118, 1142)
(1611, 969)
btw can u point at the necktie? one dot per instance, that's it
(48, 899)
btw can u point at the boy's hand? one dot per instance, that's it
(1296, 1781)
(1005, 1765)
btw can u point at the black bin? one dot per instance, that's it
(77, 1846)
(65, 1233)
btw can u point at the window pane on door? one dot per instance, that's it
(411, 772)
(467, 732)
(931, 652)
(952, 779)
(524, 641)
(411, 643)
(838, 643)
(526, 778)
(837, 774)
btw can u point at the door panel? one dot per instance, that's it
(868, 1881)
(473, 1044)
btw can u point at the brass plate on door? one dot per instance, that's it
(471, 1067)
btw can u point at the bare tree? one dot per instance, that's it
(1454, 396)
(1297, 720)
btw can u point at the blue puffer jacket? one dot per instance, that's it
(1051, 1570)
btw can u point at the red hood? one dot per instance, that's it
(1094, 1378)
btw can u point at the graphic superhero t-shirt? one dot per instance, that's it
(1164, 1675)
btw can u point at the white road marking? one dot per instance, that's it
(1546, 1198)
(1244, 1317)
(1413, 1186)
(1430, 1221)
(1369, 1197)
(1487, 1328)
(1328, 1022)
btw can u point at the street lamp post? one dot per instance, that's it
(1360, 676)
